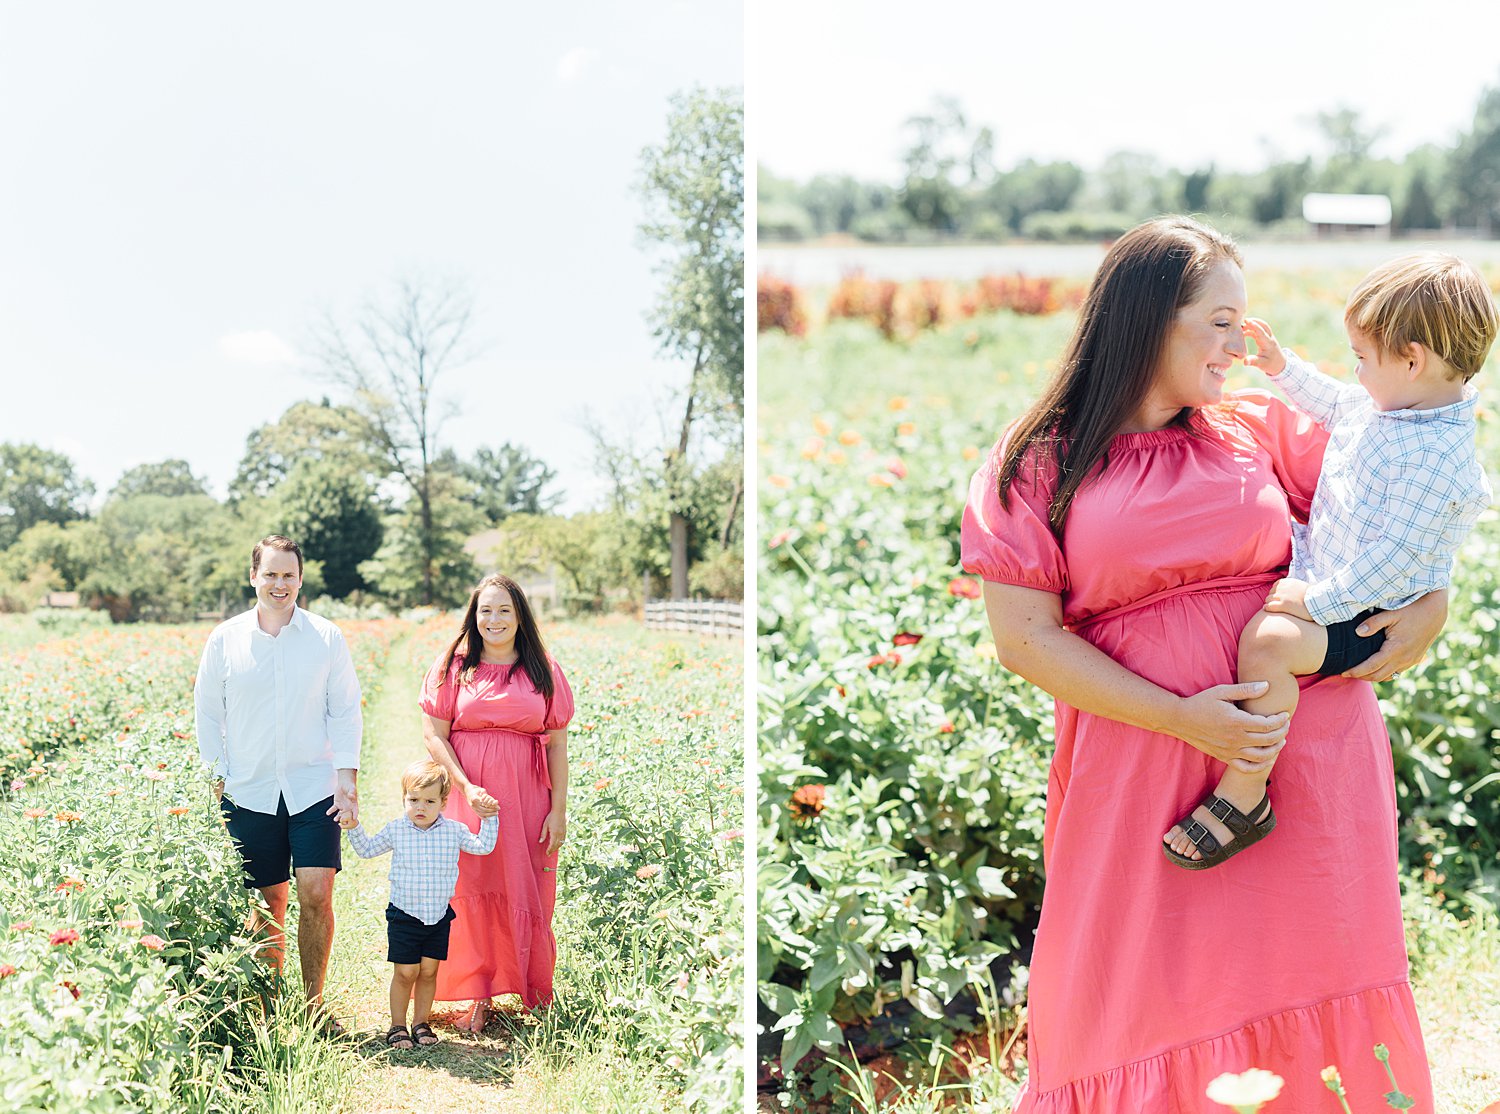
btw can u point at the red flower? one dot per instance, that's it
(947, 728)
(6, 970)
(63, 936)
(906, 638)
(70, 987)
(891, 658)
(20, 926)
(807, 801)
(66, 884)
(154, 942)
(180, 810)
(964, 587)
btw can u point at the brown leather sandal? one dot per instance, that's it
(1247, 830)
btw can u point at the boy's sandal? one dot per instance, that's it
(420, 1030)
(395, 1035)
(1247, 830)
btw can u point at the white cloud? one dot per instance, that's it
(575, 62)
(259, 346)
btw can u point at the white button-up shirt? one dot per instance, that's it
(424, 869)
(278, 715)
(1399, 492)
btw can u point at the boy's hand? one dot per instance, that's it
(1289, 597)
(1268, 357)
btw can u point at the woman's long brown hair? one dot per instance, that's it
(530, 650)
(1108, 367)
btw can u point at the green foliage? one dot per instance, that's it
(507, 481)
(168, 477)
(306, 431)
(419, 562)
(331, 508)
(37, 485)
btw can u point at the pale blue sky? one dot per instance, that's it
(1193, 83)
(186, 186)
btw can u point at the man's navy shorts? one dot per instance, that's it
(272, 845)
(1347, 649)
(408, 940)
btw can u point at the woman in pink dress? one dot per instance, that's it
(496, 709)
(1127, 527)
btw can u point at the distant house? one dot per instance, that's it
(542, 586)
(1348, 214)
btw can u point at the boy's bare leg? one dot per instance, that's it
(426, 988)
(403, 975)
(1276, 648)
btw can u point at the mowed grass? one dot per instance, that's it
(845, 399)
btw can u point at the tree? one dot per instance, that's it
(168, 477)
(330, 508)
(1419, 211)
(1475, 169)
(507, 481)
(306, 431)
(693, 187)
(425, 561)
(939, 146)
(37, 485)
(391, 360)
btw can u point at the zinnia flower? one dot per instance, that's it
(154, 942)
(63, 936)
(730, 835)
(180, 810)
(602, 783)
(964, 587)
(66, 884)
(650, 870)
(130, 926)
(67, 817)
(153, 775)
(780, 539)
(906, 638)
(807, 801)
(70, 987)
(34, 813)
(6, 970)
(20, 926)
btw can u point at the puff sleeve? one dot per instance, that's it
(439, 693)
(1293, 440)
(561, 711)
(1015, 544)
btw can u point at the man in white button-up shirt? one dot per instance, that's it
(279, 724)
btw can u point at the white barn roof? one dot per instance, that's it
(1372, 209)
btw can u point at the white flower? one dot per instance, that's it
(1248, 1089)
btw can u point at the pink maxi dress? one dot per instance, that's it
(1148, 981)
(501, 940)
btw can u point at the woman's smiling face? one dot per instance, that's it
(495, 615)
(1202, 343)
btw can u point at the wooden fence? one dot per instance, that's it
(711, 617)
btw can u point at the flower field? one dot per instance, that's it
(902, 770)
(124, 975)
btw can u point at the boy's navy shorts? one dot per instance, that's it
(1347, 649)
(408, 940)
(272, 845)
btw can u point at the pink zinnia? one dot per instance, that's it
(650, 870)
(964, 587)
(63, 936)
(154, 942)
(6, 970)
(130, 926)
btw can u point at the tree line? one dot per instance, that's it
(952, 187)
(383, 507)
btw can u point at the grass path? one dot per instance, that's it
(518, 1064)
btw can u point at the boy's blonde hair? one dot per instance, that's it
(1432, 299)
(421, 775)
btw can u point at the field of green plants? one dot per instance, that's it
(902, 770)
(125, 978)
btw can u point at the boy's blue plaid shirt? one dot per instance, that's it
(1399, 492)
(424, 870)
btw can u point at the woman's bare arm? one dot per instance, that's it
(440, 748)
(1030, 641)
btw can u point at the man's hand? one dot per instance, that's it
(346, 799)
(1289, 597)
